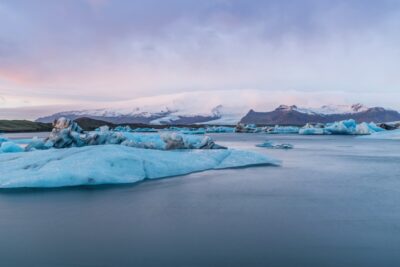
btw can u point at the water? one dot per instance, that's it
(334, 202)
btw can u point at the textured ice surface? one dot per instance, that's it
(168, 140)
(113, 164)
(67, 133)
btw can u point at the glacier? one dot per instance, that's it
(114, 164)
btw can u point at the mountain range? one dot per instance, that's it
(283, 115)
(292, 115)
(223, 108)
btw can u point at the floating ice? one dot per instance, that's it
(346, 127)
(3, 139)
(220, 129)
(67, 137)
(136, 130)
(282, 130)
(10, 147)
(114, 164)
(247, 128)
(269, 144)
(309, 129)
(169, 140)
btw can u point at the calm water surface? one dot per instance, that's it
(335, 201)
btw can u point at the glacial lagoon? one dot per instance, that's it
(335, 201)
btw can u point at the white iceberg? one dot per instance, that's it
(114, 164)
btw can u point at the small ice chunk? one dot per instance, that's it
(269, 144)
(10, 147)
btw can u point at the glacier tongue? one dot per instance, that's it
(114, 164)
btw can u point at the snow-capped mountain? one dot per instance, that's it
(185, 108)
(205, 107)
(327, 109)
(292, 115)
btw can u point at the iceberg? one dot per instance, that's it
(114, 164)
(247, 128)
(67, 134)
(282, 130)
(129, 129)
(220, 129)
(10, 147)
(309, 129)
(269, 144)
(168, 141)
(346, 127)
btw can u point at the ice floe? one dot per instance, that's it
(10, 147)
(247, 128)
(282, 130)
(346, 127)
(269, 144)
(67, 134)
(114, 164)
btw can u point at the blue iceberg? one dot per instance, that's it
(10, 147)
(67, 134)
(114, 164)
(346, 127)
(283, 130)
(269, 144)
(220, 129)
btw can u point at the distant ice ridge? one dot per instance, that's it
(269, 144)
(347, 127)
(282, 130)
(114, 164)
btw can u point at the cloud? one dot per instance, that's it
(97, 49)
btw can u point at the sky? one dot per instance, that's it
(70, 54)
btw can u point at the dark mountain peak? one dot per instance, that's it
(292, 115)
(286, 108)
(358, 107)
